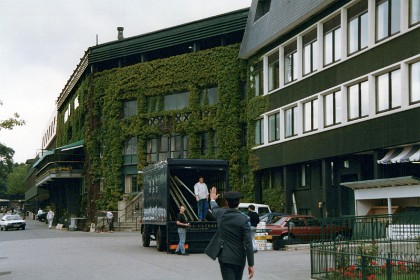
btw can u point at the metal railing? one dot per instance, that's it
(380, 247)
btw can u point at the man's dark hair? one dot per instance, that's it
(252, 207)
(233, 203)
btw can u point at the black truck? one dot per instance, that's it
(169, 184)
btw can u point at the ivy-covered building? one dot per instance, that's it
(337, 91)
(179, 92)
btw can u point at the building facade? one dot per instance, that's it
(174, 93)
(340, 83)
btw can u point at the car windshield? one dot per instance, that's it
(277, 220)
(11, 218)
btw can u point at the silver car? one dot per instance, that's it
(12, 221)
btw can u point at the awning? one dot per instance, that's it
(72, 146)
(43, 155)
(383, 183)
(401, 155)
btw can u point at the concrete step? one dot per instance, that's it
(126, 226)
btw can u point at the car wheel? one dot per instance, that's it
(6, 228)
(1, 228)
(23, 228)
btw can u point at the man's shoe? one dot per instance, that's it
(178, 253)
(185, 254)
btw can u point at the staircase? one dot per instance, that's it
(129, 215)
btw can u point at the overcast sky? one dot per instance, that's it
(42, 42)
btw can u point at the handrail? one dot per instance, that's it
(130, 209)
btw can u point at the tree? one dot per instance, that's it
(16, 180)
(12, 121)
(6, 153)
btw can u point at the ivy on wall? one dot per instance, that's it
(101, 124)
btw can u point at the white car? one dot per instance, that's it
(12, 221)
(260, 209)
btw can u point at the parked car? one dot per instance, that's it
(12, 221)
(306, 228)
(268, 217)
(261, 209)
(42, 216)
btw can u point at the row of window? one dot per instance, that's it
(170, 146)
(174, 101)
(332, 40)
(388, 90)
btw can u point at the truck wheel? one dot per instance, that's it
(145, 237)
(160, 240)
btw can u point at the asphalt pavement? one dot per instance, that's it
(44, 254)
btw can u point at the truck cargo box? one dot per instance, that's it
(169, 184)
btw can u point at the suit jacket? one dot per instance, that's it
(232, 242)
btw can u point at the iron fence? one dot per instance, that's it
(380, 247)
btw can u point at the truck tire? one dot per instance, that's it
(145, 237)
(160, 240)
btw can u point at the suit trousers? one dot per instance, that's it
(231, 271)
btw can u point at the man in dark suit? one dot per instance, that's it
(232, 243)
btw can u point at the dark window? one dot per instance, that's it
(357, 27)
(175, 101)
(290, 61)
(388, 91)
(258, 77)
(332, 40)
(290, 119)
(415, 83)
(387, 18)
(273, 71)
(310, 52)
(414, 12)
(358, 101)
(263, 7)
(274, 127)
(332, 108)
(259, 131)
(310, 115)
(209, 96)
(130, 146)
(130, 108)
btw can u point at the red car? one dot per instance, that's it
(306, 228)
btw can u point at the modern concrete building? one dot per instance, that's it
(340, 81)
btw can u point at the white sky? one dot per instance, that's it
(42, 42)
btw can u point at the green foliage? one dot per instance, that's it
(275, 198)
(12, 121)
(105, 131)
(16, 180)
(6, 161)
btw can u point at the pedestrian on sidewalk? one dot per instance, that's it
(50, 217)
(110, 219)
(254, 219)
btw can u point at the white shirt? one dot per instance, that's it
(201, 190)
(50, 215)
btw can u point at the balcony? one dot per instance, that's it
(59, 170)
